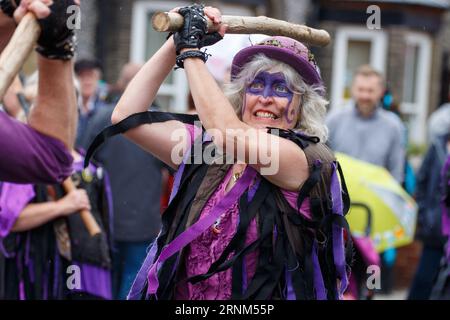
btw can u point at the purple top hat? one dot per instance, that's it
(284, 49)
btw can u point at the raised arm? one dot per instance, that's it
(54, 113)
(287, 165)
(38, 153)
(140, 94)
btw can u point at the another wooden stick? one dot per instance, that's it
(171, 21)
(88, 220)
(17, 51)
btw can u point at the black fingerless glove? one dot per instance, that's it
(193, 35)
(193, 30)
(209, 39)
(57, 41)
(9, 6)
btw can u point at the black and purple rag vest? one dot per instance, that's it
(298, 258)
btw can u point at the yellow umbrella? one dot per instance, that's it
(394, 212)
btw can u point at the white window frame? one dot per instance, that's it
(378, 55)
(419, 109)
(178, 89)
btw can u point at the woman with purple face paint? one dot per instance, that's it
(240, 229)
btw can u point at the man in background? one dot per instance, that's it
(365, 131)
(91, 96)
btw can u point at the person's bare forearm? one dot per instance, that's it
(214, 109)
(142, 90)
(35, 215)
(55, 113)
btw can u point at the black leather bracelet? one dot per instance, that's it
(64, 50)
(191, 54)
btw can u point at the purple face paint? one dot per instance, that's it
(272, 85)
(289, 114)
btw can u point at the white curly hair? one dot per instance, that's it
(313, 106)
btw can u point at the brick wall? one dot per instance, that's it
(406, 265)
(324, 55)
(440, 46)
(395, 67)
(115, 30)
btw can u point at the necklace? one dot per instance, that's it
(236, 176)
(216, 226)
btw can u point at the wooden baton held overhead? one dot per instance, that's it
(171, 21)
(17, 51)
(87, 217)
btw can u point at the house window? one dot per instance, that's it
(409, 80)
(153, 41)
(358, 54)
(354, 47)
(416, 81)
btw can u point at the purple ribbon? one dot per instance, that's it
(139, 281)
(338, 235)
(178, 175)
(56, 273)
(290, 293)
(199, 227)
(109, 199)
(95, 280)
(13, 199)
(444, 209)
(321, 293)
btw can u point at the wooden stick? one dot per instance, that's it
(171, 21)
(87, 217)
(17, 51)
